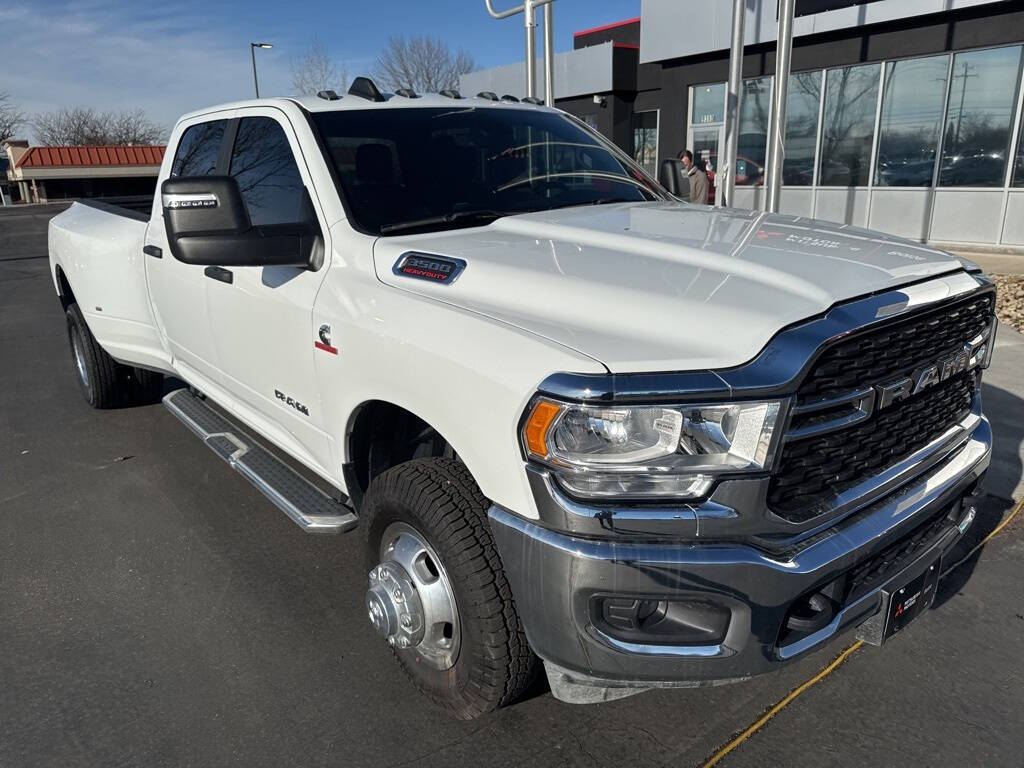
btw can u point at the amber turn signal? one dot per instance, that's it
(536, 431)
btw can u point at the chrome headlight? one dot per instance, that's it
(649, 451)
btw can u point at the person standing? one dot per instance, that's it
(697, 178)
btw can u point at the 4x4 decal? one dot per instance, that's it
(292, 402)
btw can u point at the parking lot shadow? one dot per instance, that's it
(1006, 411)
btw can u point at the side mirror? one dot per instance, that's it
(207, 224)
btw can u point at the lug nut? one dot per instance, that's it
(391, 640)
(403, 642)
(398, 594)
(406, 622)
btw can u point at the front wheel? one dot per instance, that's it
(438, 594)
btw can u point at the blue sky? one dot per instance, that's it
(170, 58)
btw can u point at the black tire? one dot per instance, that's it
(439, 498)
(148, 386)
(101, 379)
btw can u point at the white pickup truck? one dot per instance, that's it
(578, 422)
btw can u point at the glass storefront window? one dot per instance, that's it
(979, 117)
(911, 121)
(1018, 171)
(753, 139)
(708, 104)
(802, 100)
(645, 140)
(851, 97)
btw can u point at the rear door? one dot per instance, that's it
(262, 322)
(178, 290)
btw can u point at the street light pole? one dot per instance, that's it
(252, 51)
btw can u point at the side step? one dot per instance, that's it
(308, 506)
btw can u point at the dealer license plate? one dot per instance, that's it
(908, 602)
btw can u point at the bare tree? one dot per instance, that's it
(84, 126)
(316, 70)
(10, 118)
(425, 64)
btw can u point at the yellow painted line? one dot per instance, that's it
(759, 724)
(847, 653)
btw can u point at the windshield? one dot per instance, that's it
(423, 169)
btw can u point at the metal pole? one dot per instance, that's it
(530, 20)
(732, 104)
(529, 11)
(549, 55)
(252, 50)
(777, 150)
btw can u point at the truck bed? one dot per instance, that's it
(97, 248)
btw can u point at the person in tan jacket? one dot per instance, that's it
(697, 178)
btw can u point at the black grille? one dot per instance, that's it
(813, 471)
(874, 571)
(895, 349)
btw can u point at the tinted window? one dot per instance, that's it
(911, 120)
(851, 97)
(263, 163)
(802, 101)
(979, 117)
(405, 165)
(198, 149)
(753, 138)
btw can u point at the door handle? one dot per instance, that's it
(152, 250)
(219, 273)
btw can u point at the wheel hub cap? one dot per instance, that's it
(393, 606)
(410, 602)
(76, 349)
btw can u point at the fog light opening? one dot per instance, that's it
(661, 622)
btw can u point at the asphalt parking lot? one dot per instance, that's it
(156, 610)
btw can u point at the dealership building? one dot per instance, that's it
(901, 115)
(46, 174)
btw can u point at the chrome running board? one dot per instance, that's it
(309, 507)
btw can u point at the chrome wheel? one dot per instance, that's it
(410, 601)
(79, 355)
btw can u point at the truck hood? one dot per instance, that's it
(657, 286)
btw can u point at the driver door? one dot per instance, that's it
(262, 320)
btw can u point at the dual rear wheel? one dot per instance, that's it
(106, 383)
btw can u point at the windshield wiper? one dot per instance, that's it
(599, 201)
(448, 218)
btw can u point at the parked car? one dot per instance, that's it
(579, 424)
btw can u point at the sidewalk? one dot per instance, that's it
(993, 263)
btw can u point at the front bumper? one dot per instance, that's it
(556, 575)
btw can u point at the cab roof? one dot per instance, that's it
(391, 101)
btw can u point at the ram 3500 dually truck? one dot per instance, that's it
(578, 422)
